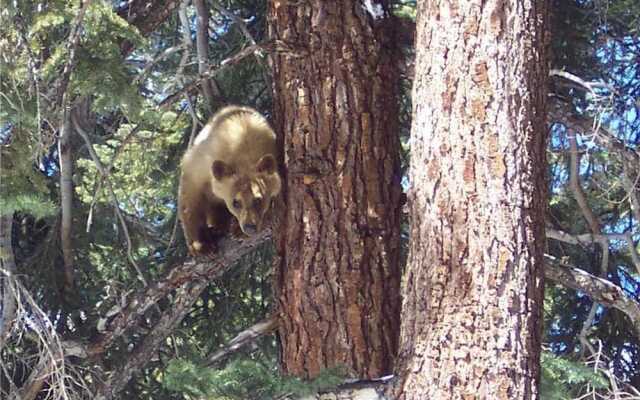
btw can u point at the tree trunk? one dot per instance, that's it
(202, 49)
(337, 277)
(66, 200)
(473, 288)
(8, 306)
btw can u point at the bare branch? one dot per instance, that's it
(243, 338)
(44, 360)
(163, 55)
(236, 20)
(230, 251)
(576, 187)
(603, 136)
(581, 83)
(213, 71)
(188, 44)
(589, 238)
(188, 280)
(202, 45)
(598, 289)
(185, 296)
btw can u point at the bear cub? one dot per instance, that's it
(229, 172)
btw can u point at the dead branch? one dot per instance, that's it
(590, 238)
(163, 55)
(126, 315)
(47, 362)
(185, 296)
(598, 289)
(576, 187)
(188, 280)
(146, 16)
(243, 338)
(212, 72)
(581, 83)
(603, 136)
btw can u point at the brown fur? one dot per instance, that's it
(230, 171)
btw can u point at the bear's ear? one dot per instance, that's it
(221, 170)
(266, 165)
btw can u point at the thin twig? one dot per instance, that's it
(112, 195)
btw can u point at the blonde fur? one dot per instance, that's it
(243, 145)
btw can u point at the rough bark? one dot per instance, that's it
(473, 288)
(337, 277)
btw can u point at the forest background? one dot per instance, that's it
(99, 100)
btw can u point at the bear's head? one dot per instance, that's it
(247, 194)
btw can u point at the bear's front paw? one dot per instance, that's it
(200, 249)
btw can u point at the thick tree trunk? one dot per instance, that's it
(335, 111)
(473, 288)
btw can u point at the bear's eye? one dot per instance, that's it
(236, 204)
(257, 203)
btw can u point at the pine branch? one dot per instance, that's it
(188, 280)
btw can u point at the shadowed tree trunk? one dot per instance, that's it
(473, 288)
(335, 111)
(7, 273)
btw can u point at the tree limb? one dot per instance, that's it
(66, 200)
(211, 72)
(202, 46)
(243, 338)
(230, 251)
(146, 15)
(188, 280)
(185, 296)
(576, 187)
(598, 289)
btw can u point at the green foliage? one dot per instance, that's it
(563, 379)
(243, 380)
(405, 9)
(27, 204)
(143, 173)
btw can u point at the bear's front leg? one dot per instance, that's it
(193, 214)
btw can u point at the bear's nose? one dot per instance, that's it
(249, 229)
